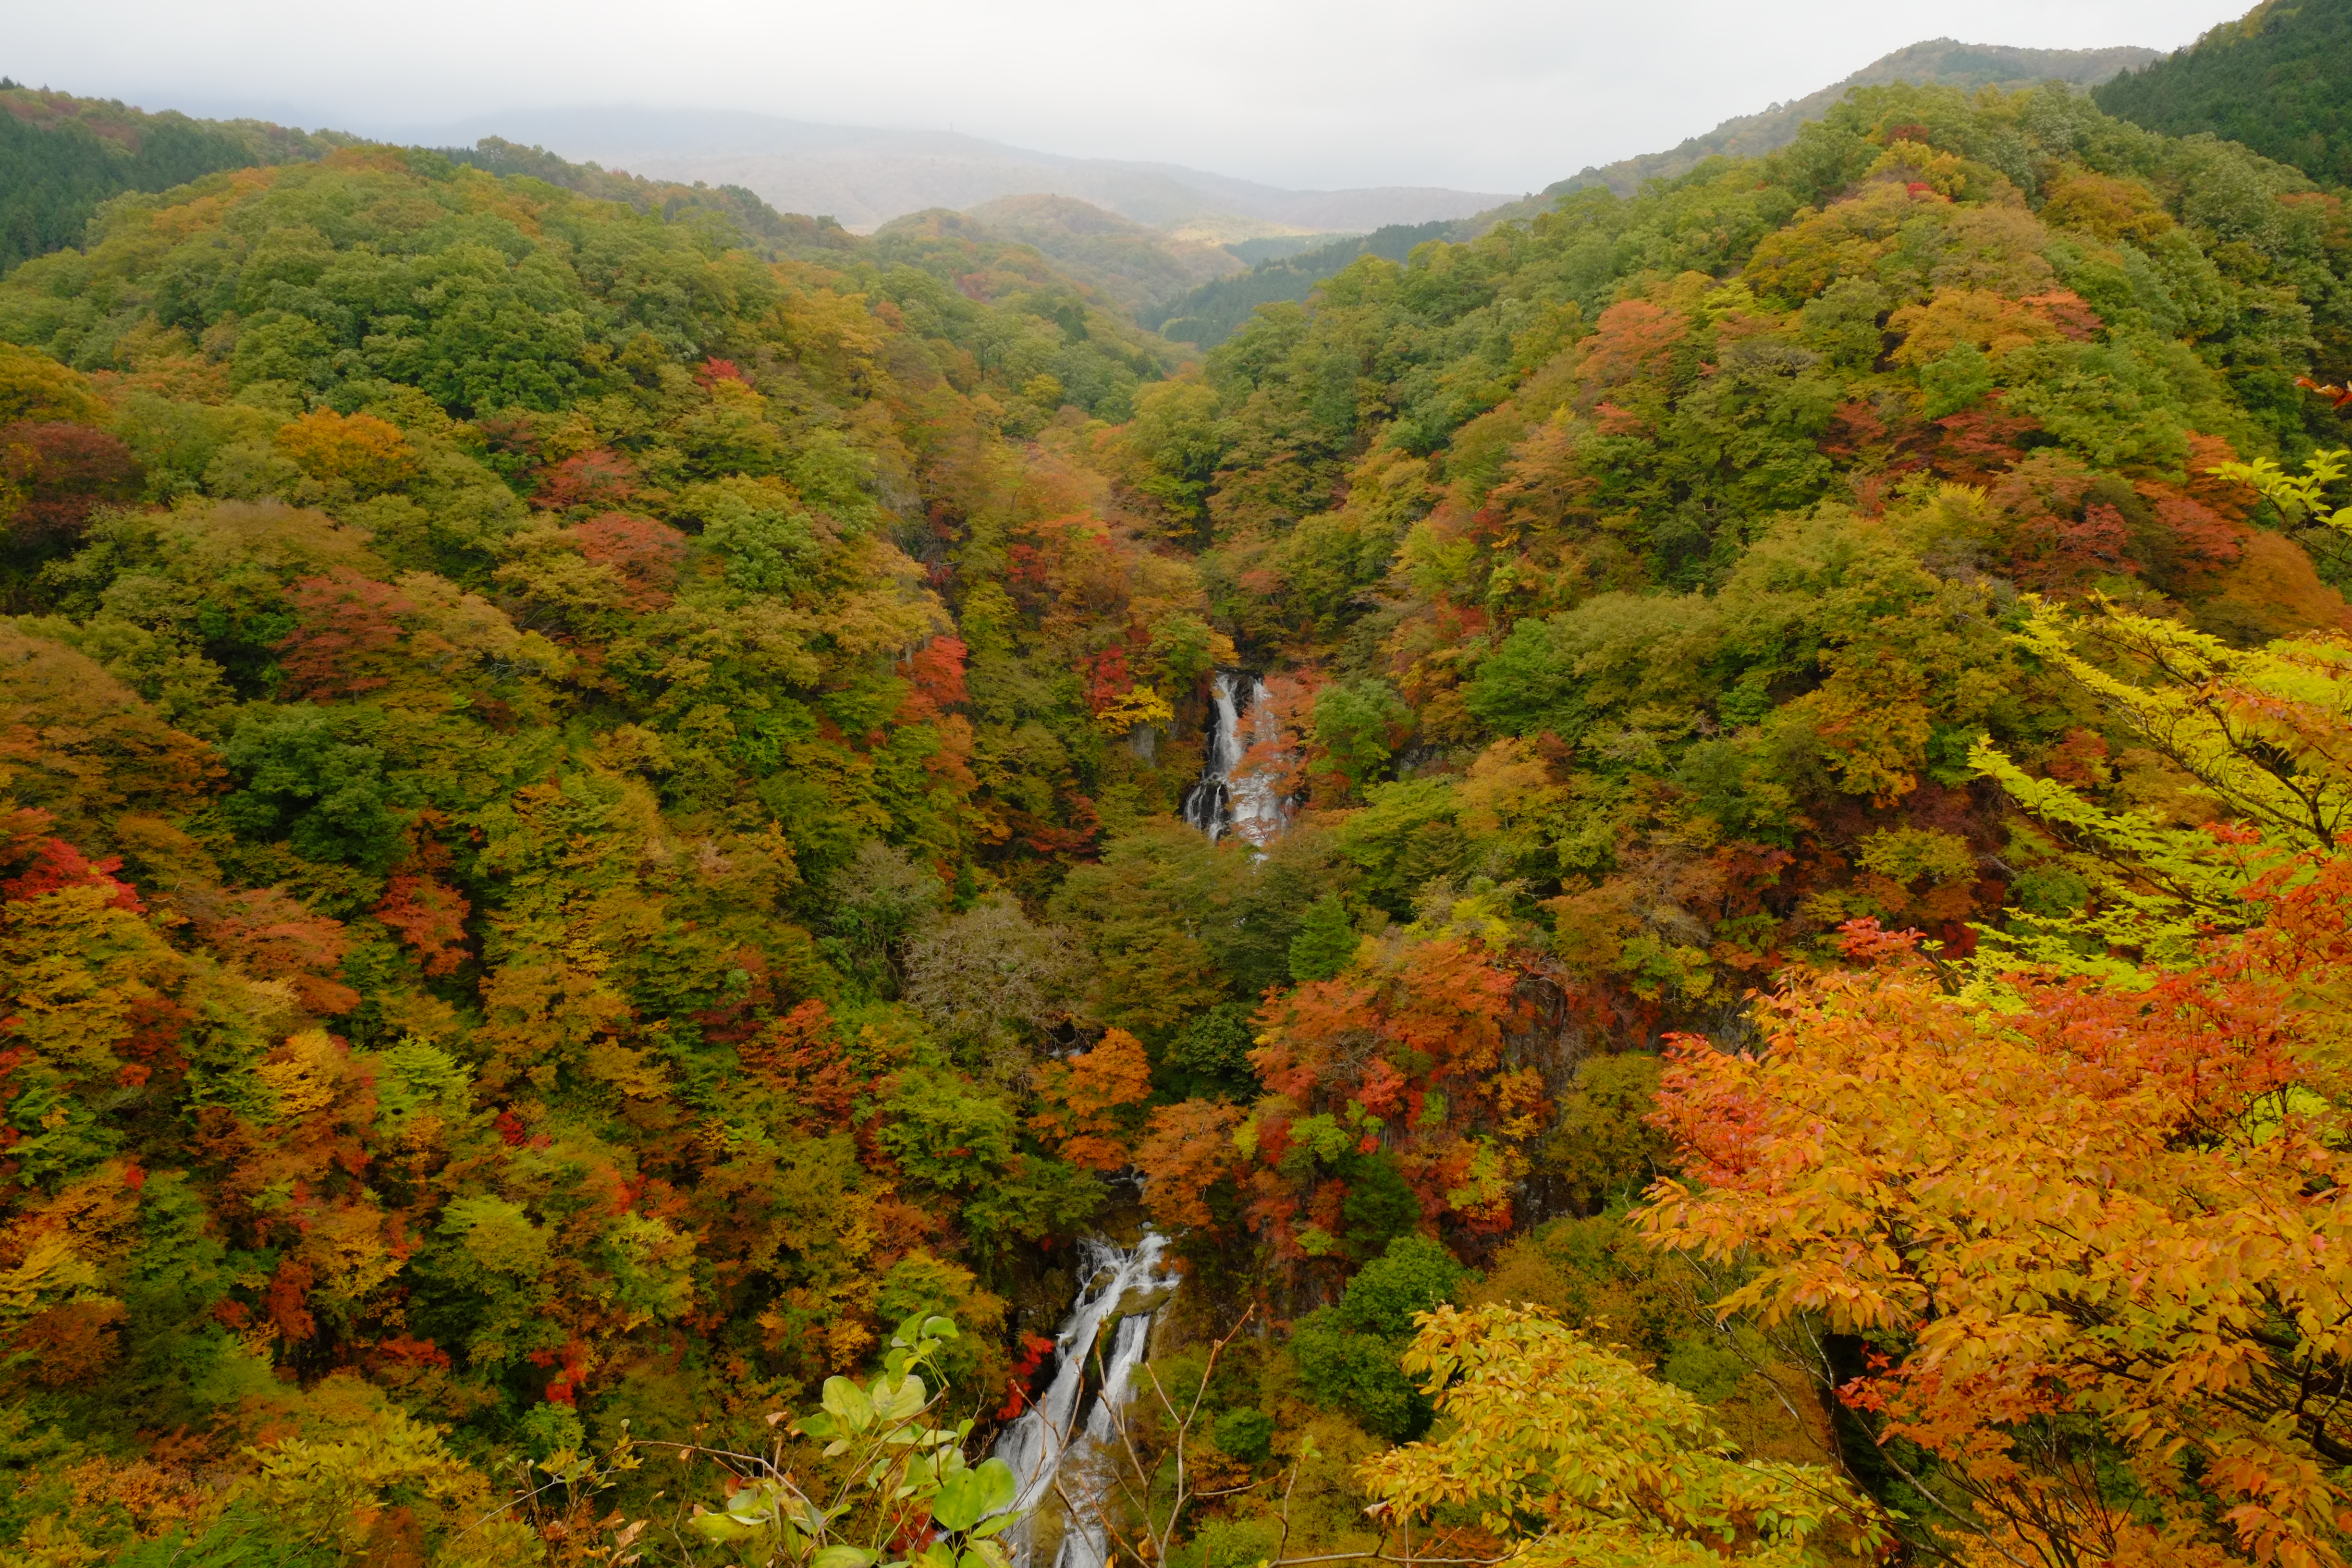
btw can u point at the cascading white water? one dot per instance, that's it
(1230, 798)
(1204, 805)
(1045, 1445)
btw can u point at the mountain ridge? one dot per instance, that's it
(1213, 309)
(864, 176)
(1931, 62)
(1133, 265)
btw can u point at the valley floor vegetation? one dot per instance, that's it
(592, 892)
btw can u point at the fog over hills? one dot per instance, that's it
(865, 176)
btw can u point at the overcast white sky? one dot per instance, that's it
(1496, 95)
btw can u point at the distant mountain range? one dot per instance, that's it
(1155, 236)
(1211, 311)
(864, 176)
(1172, 246)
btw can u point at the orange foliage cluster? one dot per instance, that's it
(2100, 1205)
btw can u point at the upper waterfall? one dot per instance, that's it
(1232, 796)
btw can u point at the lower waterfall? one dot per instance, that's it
(1046, 1445)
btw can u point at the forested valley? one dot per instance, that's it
(1666, 886)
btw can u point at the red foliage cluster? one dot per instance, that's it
(343, 621)
(2069, 526)
(801, 1054)
(64, 472)
(1632, 341)
(2068, 311)
(1405, 1060)
(601, 477)
(284, 1301)
(571, 1369)
(935, 678)
(646, 554)
(1107, 677)
(277, 939)
(402, 1351)
(1977, 447)
(429, 916)
(57, 863)
(1035, 1348)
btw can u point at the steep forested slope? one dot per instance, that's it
(1644, 575)
(593, 832)
(60, 157)
(462, 495)
(2278, 80)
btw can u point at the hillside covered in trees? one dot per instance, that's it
(60, 157)
(599, 898)
(1134, 267)
(67, 156)
(2275, 79)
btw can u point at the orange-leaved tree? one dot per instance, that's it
(2094, 1238)
(1389, 1102)
(360, 450)
(1093, 1101)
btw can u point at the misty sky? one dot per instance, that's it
(1494, 95)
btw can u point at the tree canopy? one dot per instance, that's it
(592, 856)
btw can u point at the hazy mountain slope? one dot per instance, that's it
(1215, 311)
(985, 262)
(793, 233)
(2278, 80)
(1937, 62)
(866, 177)
(1135, 268)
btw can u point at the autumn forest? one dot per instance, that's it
(1666, 884)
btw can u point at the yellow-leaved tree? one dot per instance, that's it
(2299, 496)
(1571, 1455)
(2259, 740)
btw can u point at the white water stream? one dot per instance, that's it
(1046, 1445)
(1230, 798)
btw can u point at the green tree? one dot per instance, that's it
(1358, 727)
(316, 777)
(1349, 1355)
(1326, 942)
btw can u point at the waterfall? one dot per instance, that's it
(1205, 803)
(1249, 803)
(1047, 1444)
